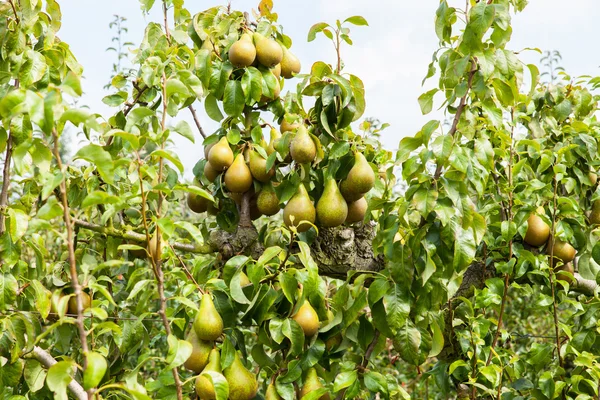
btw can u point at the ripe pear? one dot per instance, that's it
(208, 323)
(593, 177)
(595, 214)
(361, 177)
(271, 393)
(562, 250)
(242, 383)
(276, 70)
(258, 168)
(288, 127)
(242, 53)
(267, 201)
(350, 195)
(210, 172)
(268, 51)
(537, 231)
(238, 178)
(357, 210)
(307, 318)
(196, 203)
(207, 149)
(274, 136)
(204, 387)
(86, 302)
(302, 147)
(200, 352)
(153, 249)
(312, 383)
(332, 209)
(290, 64)
(301, 208)
(221, 155)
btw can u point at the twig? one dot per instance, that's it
(187, 271)
(551, 274)
(12, 4)
(341, 395)
(47, 361)
(5, 185)
(197, 121)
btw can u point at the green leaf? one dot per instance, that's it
(426, 101)
(33, 69)
(175, 86)
(211, 107)
(293, 331)
(8, 290)
(268, 255)
(184, 129)
(376, 382)
(59, 376)
(169, 155)
(316, 28)
(357, 20)
(95, 370)
(42, 298)
(34, 374)
(99, 197)
(398, 306)
(220, 384)
(18, 221)
(99, 157)
(252, 85)
(407, 343)
(344, 379)
(179, 351)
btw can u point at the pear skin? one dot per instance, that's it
(357, 210)
(271, 393)
(290, 64)
(86, 302)
(208, 323)
(312, 383)
(361, 177)
(242, 383)
(288, 127)
(307, 318)
(350, 195)
(276, 70)
(258, 168)
(332, 209)
(210, 172)
(238, 178)
(196, 203)
(268, 51)
(562, 250)
(198, 360)
(302, 147)
(274, 135)
(204, 387)
(538, 231)
(267, 201)
(595, 214)
(301, 208)
(242, 53)
(221, 155)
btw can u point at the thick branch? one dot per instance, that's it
(47, 361)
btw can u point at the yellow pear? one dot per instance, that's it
(290, 64)
(307, 318)
(301, 208)
(258, 168)
(242, 383)
(302, 147)
(593, 177)
(204, 387)
(332, 209)
(312, 383)
(238, 178)
(221, 155)
(357, 210)
(276, 70)
(207, 149)
(538, 231)
(86, 302)
(562, 250)
(267, 201)
(595, 214)
(208, 323)
(271, 393)
(242, 53)
(288, 127)
(200, 352)
(268, 51)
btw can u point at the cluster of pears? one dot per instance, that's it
(206, 358)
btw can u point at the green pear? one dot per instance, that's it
(267, 201)
(200, 352)
(302, 147)
(357, 210)
(271, 393)
(208, 323)
(290, 64)
(207, 149)
(221, 155)
(242, 53)
(276, 70)
(301, 208)
(332, 209)
(312, 383)
(242, 383)
(595, 214)
(538, 231)
(210, 172)
(204, 387)
(268, 51)
(86, 302)
(258, 167)
(288, 127)
(274, 136)
(307, 318)
(238, 178)
(197, 203)
(348, 192)
(361, 177)
(562, 250)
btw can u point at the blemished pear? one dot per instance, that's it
(361, 177)
(595, 214)
(562, 250)
(204, 387)
(538, 231)
(197, 203)
(332, 209)
(242, 53)
(210, 172)
(238, 178)
(301, 208)
(242, 383)
(268, 51)
(290, 64)
(258, 168)
(208, 323)
(221, 155)
(302, 147)
(267, 201)
(198, 360)
(307, 318)
(312, 383)
(271, 393)
(357, 210)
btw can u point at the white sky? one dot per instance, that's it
(390, 56)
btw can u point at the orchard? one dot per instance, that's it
(304, 260)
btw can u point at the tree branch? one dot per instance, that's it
(47, 361)
(5, 185)
(197, 121)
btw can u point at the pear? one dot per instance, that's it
(312, 383)
(242, 383)
(593, 177)
(238, 178)
(357, 210)
(242, 53)
(350, 195)
(537, 231)
(210, 172)
(333, 342)
(271, 393)
(274, 136)
(290, 64)
(204, 387)
(258, 168)
(267, 201)
(332, 209)
(361, 177)
(288, 127)
(301, 208)
(208, 323)
(86, 302)
(200, 352)
(302, 147)
(562, 250)
(196, 203)
(276, 70)
(244, 280)
(221, 155)
(207, 149)
(595, 214)
(268, 51)
(307, 318)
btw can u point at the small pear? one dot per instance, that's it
(301, 208)
(207, 149)
(276, 70)
(242, 53)
(242, 383)
(267, 201)
(208, 323)
(302, 147)
(274, 136)
(271, 393)
(200, 352)
(361, 177)
(562, 250)
(288, 127)
(538, 231)
(221, 155)
(258, 168)
(268, 51)
(307, 318)
(86, 302)
(238, 178)
(357, 210)
(312, 383)
(595, 214)
(196, 203)
(204, 387)
(290, 64)
(210, 172)
(332, 209)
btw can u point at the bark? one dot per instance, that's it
(47, 361)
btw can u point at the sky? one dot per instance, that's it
(391, 55)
